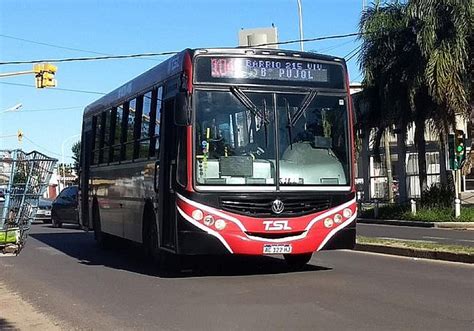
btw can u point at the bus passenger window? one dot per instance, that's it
(103, 118)
(96, 140)
(144, 144)
(130, 125)
(156, 139)
(118, 134)
(107, 133)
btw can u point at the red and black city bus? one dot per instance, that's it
(224, 151)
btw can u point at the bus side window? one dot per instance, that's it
(117, 147)
(156, 138)
(129, 130)
(103, 118)
(146, 126)
(95, 140)
(106, 144)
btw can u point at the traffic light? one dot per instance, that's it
(19, 135)
(44, 75)
(460, 146)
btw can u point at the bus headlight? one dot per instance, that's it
(197, 214)
(347, 213)
(328, 222)
(220, 224)
(338, 218)
(208, 220)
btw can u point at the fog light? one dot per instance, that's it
(347, 213)
(197, 215)
(328, 222)
(338, 218)
(208, 220)
(220, 224)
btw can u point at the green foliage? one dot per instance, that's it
(424, 214)
(76, 155)
(438, 196)
(415, 56)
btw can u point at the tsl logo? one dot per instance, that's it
(276, 225)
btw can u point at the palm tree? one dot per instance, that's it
(389, 60)
(414, 58)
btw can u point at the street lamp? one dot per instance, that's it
(12, 109)
(62, 156)
(15, 108)
(300, 17)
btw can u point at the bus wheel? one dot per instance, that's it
(165, 261)
(55, 223)
(101, 238)
(297, 261)
(150, 240)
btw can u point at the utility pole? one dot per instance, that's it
(300, 19)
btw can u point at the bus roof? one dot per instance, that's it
(174, 65)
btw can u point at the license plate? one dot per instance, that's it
(277, 249)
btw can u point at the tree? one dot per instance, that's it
(76, 156)
(415, 57)
(389, 60)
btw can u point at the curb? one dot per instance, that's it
(410, 252)
(439, 225)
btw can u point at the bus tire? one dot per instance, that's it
(162, 259)
(55, 223)
(297, 261)
(102, 239)
(150, 236)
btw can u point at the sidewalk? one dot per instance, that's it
(17, 314)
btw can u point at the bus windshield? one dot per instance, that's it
(253, 138)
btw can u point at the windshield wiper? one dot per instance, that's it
(245, 100)
(304, 105)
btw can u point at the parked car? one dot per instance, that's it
(43, 213)
(64, 208)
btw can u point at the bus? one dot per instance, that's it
(224, 151)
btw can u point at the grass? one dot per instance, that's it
(399, 212)
(417, 245)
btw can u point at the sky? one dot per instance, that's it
(51, 119)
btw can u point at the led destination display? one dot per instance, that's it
(271, 69)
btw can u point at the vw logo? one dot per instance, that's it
(278, 206)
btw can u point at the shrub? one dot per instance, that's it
(438, 196)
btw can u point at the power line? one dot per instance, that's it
(57, 46)
(334, 46)
(350, 57)
(43, 148)
(139, 55)
(55, 89)
(49, 109)
(94, 58)
(52, 45)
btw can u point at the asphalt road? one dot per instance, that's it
(63, 273)
(434, 235)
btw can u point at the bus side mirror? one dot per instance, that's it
(182, 111)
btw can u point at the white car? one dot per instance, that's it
(43, 213)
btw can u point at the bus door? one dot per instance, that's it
(167, 198)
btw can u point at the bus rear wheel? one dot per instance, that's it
(297, 261)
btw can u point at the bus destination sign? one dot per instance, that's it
(269, 69)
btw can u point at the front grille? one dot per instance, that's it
(269, 235)
(262, 206)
